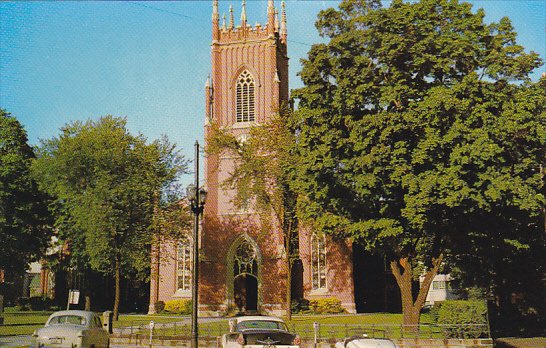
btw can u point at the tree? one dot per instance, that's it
(262, 177)
(24, 218)
(105, 180)
(408, 134)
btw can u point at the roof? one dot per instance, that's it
(74, 312)
(259, 318)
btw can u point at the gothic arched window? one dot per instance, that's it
(245, 259)
(318, 261)
(183, 264)
(245, 97)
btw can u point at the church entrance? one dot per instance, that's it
(245, 275)
(245, 291)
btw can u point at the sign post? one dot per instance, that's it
(73, 298)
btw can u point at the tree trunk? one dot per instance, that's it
(117, 278)
(288, 240)
(411, 309)
(87, 302)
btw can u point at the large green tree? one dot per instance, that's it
(24, 218)
(107, 182)
(420, 134)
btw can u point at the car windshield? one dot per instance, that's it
(67, 319)
(260, 325)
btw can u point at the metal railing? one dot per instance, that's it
(323, 332)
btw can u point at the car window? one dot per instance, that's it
(97, 321)
(261, 325)
(67, 319)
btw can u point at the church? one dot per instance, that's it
(240, 266)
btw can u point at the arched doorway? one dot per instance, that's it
(244, 262)
(245, 291)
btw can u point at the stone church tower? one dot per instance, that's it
(242, 265)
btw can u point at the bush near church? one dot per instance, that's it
(178, 306)
(329, 305)
(464, 318)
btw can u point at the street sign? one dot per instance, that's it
(74, 296)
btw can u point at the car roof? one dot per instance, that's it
(258, 318)
(79, 313)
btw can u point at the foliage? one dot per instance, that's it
(178, 306)
(300, 305)
(420, 134)
(329, 305)
(159, 306)
(35, 303)
(464, 318)
(106, 183)
(24, 218)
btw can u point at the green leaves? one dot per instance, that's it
(410, 129)
(24, 218)
(105, 179)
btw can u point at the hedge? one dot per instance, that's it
(464, 318)
(178, 306)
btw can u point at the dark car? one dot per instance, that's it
(259, 331)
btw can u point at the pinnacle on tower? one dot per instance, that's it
(276, 20)
(282, 31)
(224, 22)
(215, 15)
(215, 20)
(270, 17)
(231, 20)
(243, 15)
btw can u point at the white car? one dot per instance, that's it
(365, 342)
(259, 331)
(72, 329)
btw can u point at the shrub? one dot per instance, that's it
(464, 318)
(435, 310)
(178, 306)
(38, 303)
(159, 306)
(300, 305)
(330, 305)
(22, 304)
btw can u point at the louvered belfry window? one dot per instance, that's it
(245, 97)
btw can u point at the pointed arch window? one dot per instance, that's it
(184, 264)
(318, 261)
(245, 259)
(245, 97)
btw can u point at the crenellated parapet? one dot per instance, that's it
(228, 32)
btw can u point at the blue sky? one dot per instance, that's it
(148, 61)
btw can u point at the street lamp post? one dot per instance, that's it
(196, 196)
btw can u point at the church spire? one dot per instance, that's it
(243, 15)
(215, 20)
(282, 30)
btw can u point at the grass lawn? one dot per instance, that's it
(22, 323)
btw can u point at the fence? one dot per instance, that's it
(323, 332)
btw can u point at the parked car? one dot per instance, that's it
(365, 342)
(73, 329)
(259, 331)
